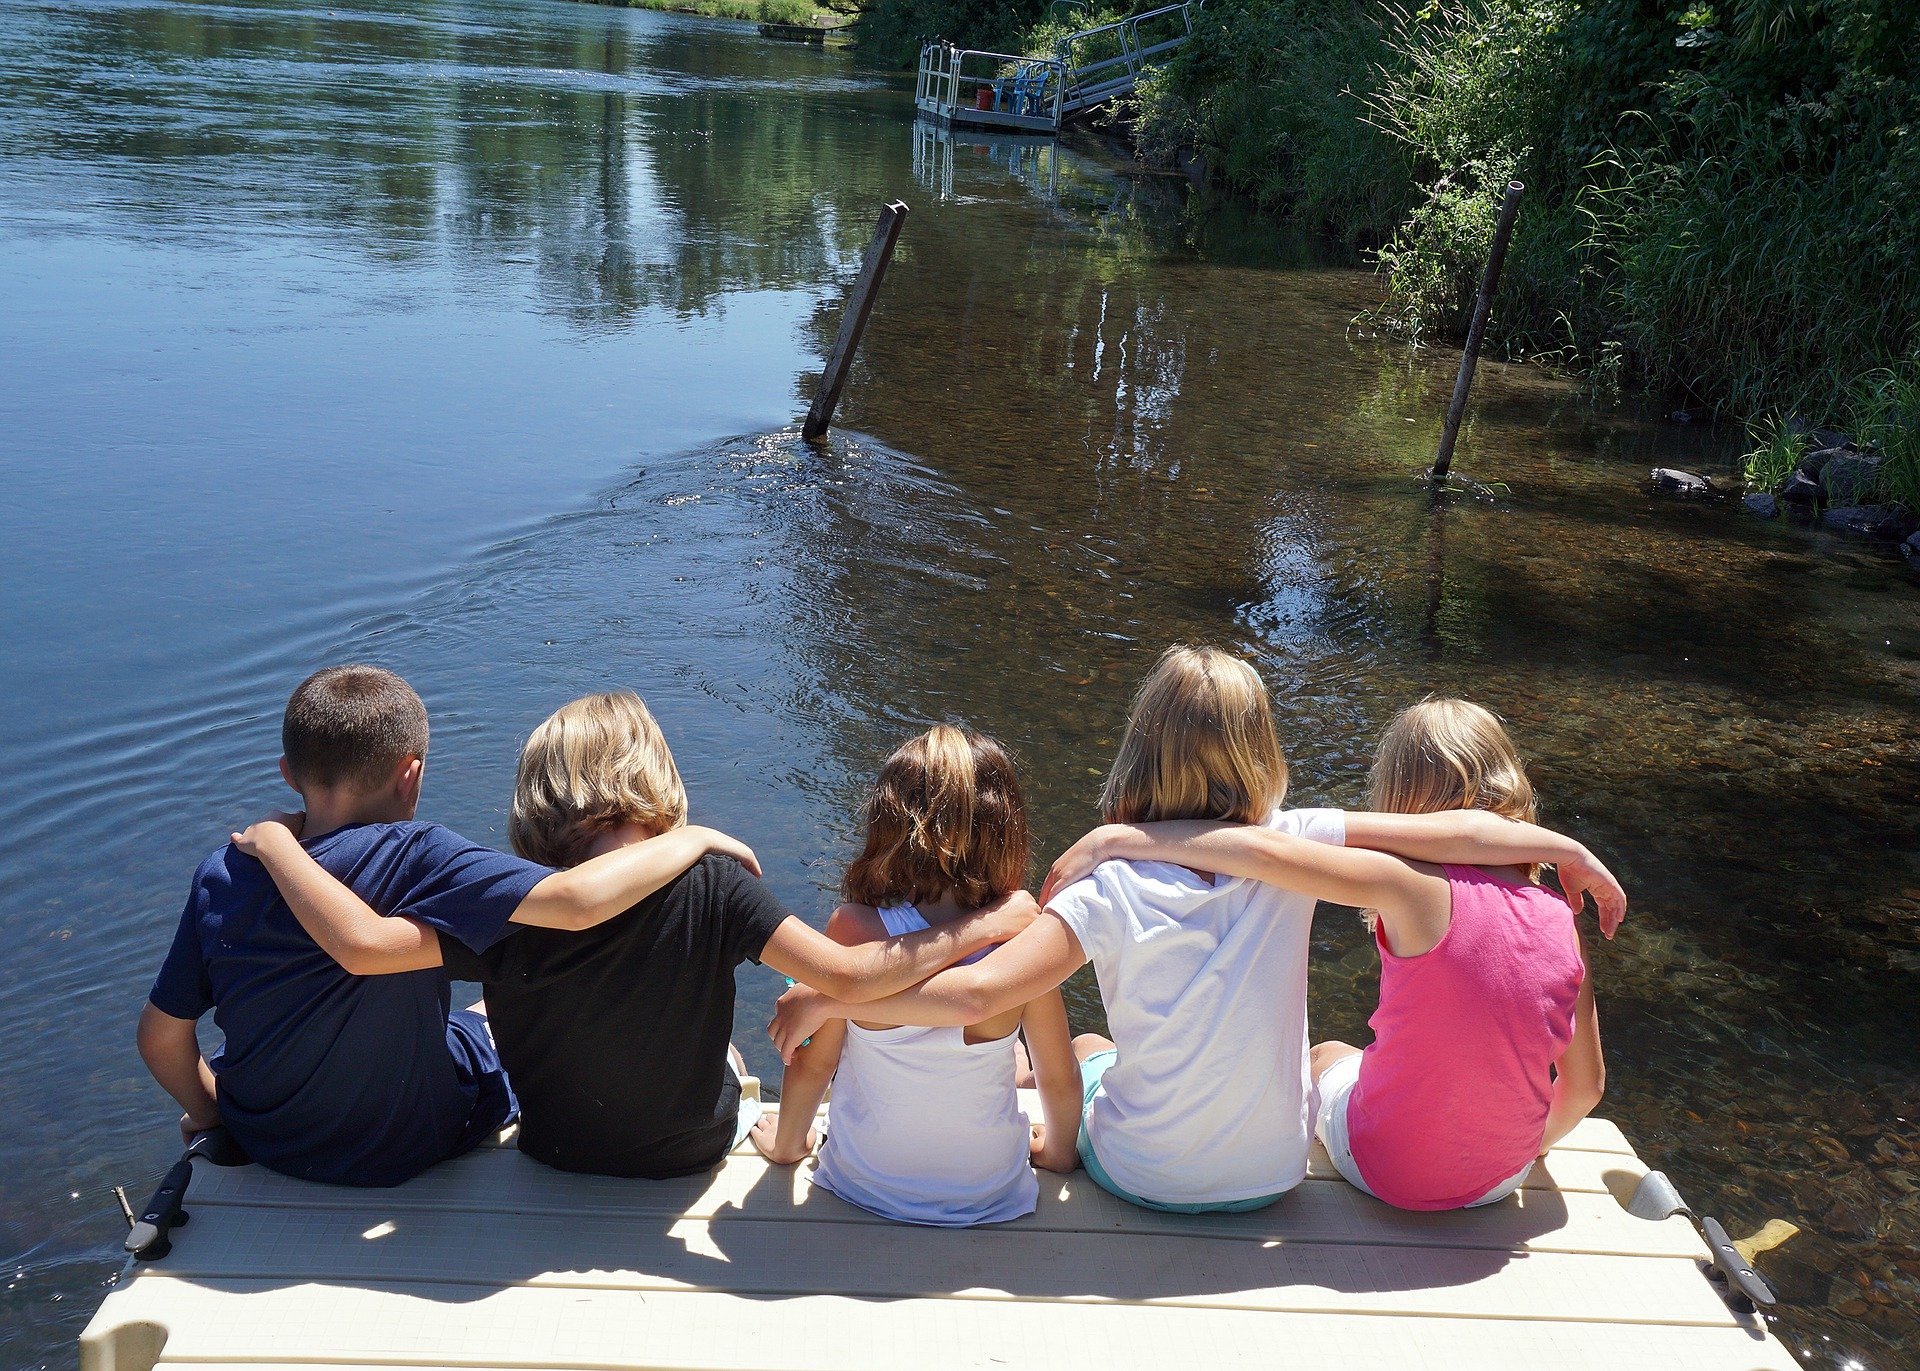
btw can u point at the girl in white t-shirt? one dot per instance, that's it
(926, 1124)
(1202, 1100)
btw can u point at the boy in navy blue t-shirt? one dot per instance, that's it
(356, 1079)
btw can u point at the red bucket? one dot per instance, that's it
(983, 98)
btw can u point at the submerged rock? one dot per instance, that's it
(1885, 523)
(1675, 482)
(1850, 478)
(1762, 505)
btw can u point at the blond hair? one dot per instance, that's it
(1449, 754)
(595, 764)
(945, 814)
(1199, 744)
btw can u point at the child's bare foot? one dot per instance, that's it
(765, 1136)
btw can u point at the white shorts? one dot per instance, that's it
(1336, 1087)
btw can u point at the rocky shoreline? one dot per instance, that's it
(1832, 487)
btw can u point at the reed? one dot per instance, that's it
(1775, 451)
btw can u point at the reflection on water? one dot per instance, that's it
(328, 325)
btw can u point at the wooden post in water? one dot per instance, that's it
(854, 322)
(1476, 332)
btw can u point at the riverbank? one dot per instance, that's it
(800, 12)
(1722, 207)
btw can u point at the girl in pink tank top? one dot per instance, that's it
(1486, 1046)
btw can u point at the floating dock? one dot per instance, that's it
(799, 33)
(494, 1261)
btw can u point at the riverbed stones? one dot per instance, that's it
(1763, 506)
(1671, 481)
(1814, 460)
(1882, 523)
(1850, 478)
(1801, 490)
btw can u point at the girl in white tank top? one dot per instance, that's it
(925, 1125)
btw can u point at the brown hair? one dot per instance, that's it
(595, 764)
(352, 725)
(1199, 744)
(945, 814)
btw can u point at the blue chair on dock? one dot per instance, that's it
(1029, 88)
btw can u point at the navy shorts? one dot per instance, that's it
(477, 1060)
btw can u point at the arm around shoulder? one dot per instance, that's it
(1473, 837)
(602, 887)
(347, 929)
(881, 966)
(1044, 955)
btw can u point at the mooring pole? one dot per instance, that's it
(1476, 332)
(854, 322)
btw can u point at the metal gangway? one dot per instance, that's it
(973, 88)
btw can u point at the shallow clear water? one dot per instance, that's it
(467, 337)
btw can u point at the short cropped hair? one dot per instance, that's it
(352, 725)
(946, 814)
(595, 764)
(1199, 745)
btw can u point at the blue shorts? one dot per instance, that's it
(1091, 1070)
(477, 1062)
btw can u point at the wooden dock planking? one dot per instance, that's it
(497, 1263)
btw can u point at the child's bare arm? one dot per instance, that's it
(803, 1083)
(873, 969)
(1050, 1048)
(612, 883)
(1044, 955)
(171, 1051)
(1580, 1076)
(1464, 836)
(344, 925)
(1473, 837)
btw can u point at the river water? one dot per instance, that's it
(467, 336)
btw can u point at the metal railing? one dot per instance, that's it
(1001, 82)
(1103, 62)
(1087, 68)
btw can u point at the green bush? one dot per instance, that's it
(786, 11)
(1273, 94)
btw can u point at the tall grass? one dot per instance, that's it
(1885, 414)
(1777, 449)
